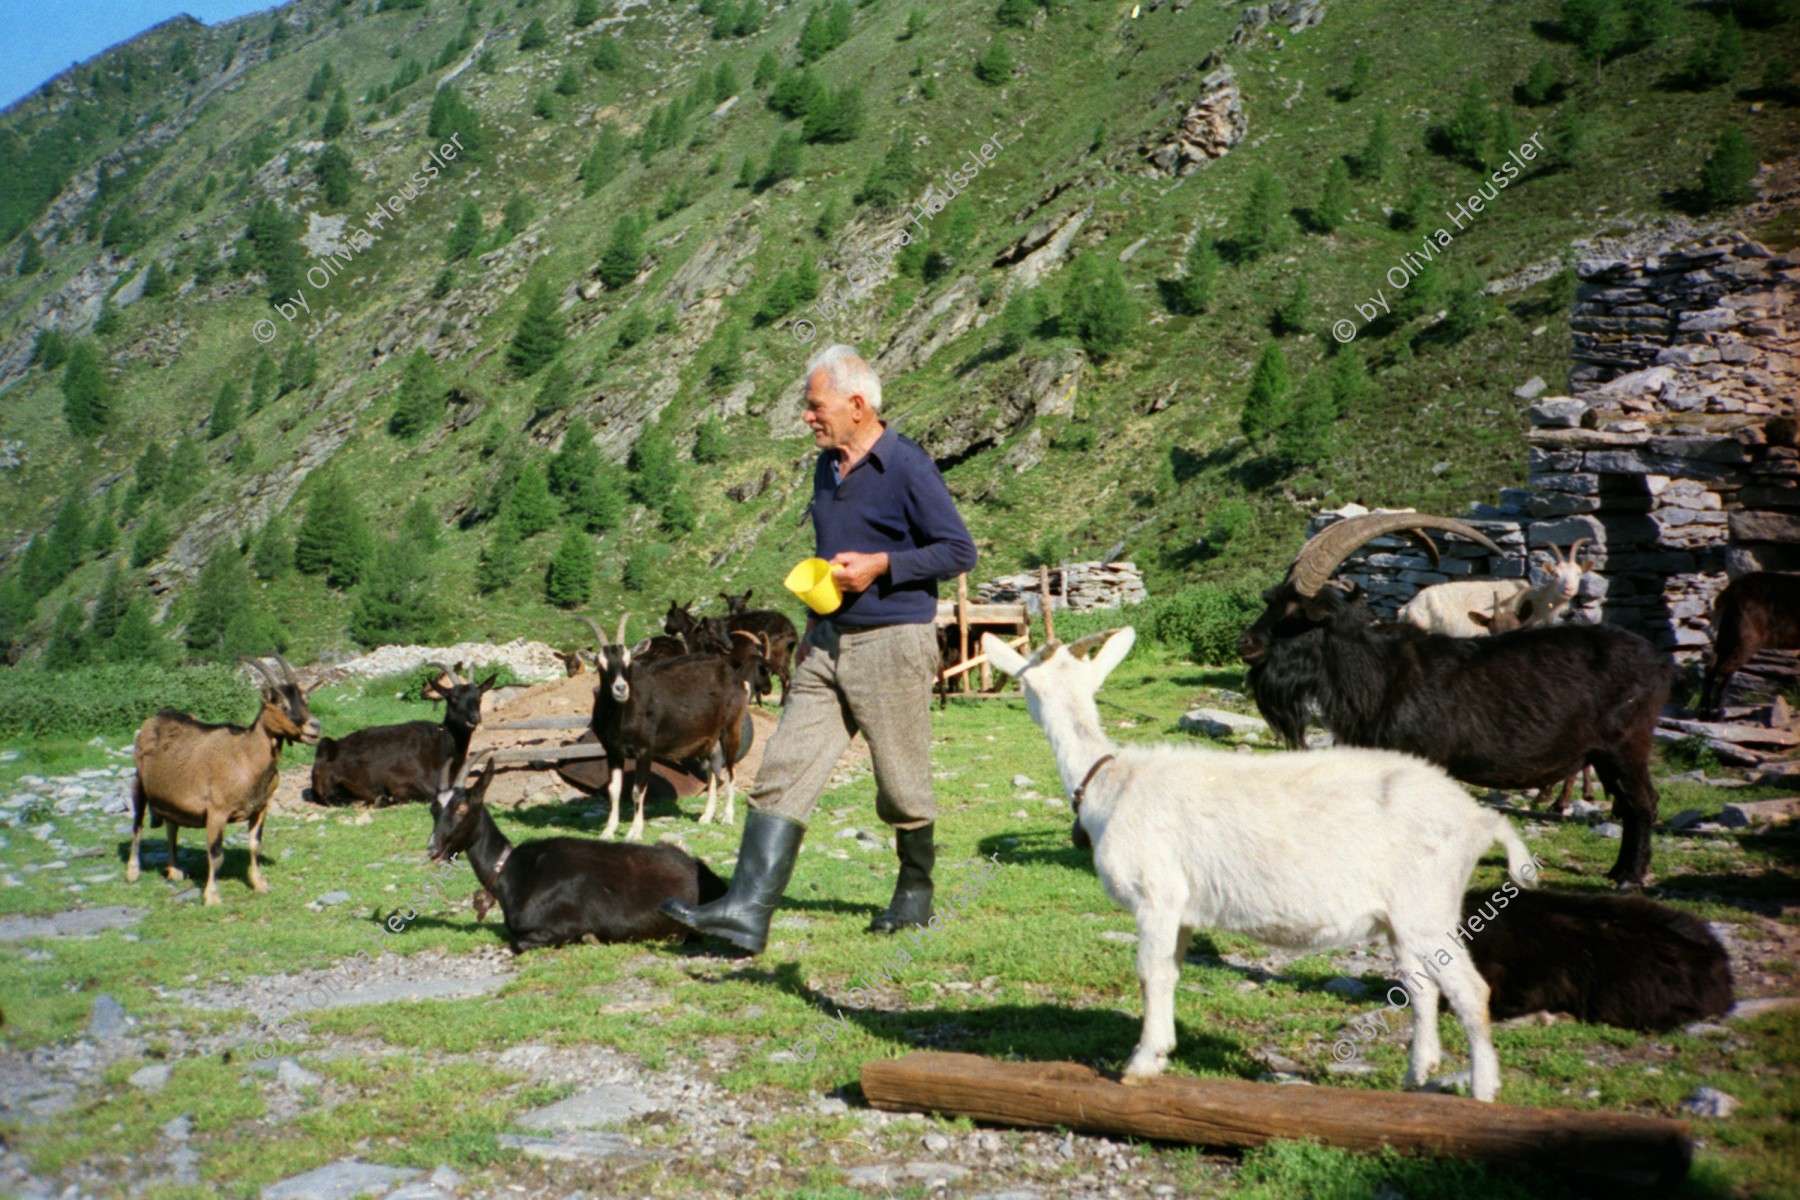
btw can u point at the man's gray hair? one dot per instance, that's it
(847, 373)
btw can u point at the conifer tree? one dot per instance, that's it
(1349, 381)
(892, 180)
(994, 66)
(337, 117)
(66, 647)
(186, 474)
(597, 500)
(1103, 310)
(273, 555)
(1019, 320)
(1262, 223)
(569, 82)
(465, 238)
(536, 36)
(395, 602)
(103, 622)
(1269, 400)
(35, 574)
(334, 538)
(1469, 132)
(639, 569)
(1017, 13)
(68, 541)
(678, 515)
(152, 539)
(156, 280)
(586, 13)
(1194, 290)
(768, 68)
(834, 115)
(50, 350)
(784, 160)
(750, 18)
(502, 558)
(577, 459)
(569, 580)
(624, 253)
(103, 538)
(87, 393)
(602, 163)
(1378, 151)
(1295, 311)
(1334, 201)
(540, 334)
(555, 392)
(1725, 176)
(138, 639)
(711, 445)
(31, 259)
(747, 174)
(220, 593)
(18, 608)
(725, 83)
(607, 55)
(727, 368)
(300, 369)
(1306, 435)
(652, 465)
(333, 173)
(264, 379)
(532, 508)
(419, 400)
(224, 417)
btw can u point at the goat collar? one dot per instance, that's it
(1081, 790)
(499, 866)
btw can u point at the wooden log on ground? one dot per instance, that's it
(1628, 1154)
(569, 722)
(1755, 735)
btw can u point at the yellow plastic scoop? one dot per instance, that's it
(812, 582)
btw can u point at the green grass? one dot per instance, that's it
(1025, 972)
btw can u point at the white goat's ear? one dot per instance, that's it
(1002, 655)
(1114, 651)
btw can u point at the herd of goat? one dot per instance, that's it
(1477, 679)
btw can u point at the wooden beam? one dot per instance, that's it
(962, 622)
(510, 755)
(1044, 602)
(1014, 615)
(1627, 1153)
(541, 723)
(979, 660)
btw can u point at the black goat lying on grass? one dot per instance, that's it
(1603, 959)
(554, 891)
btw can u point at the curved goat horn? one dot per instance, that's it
(1575, 547)
(261, 669)
(620, 639)
(288, 669)
(1328, 548)
(441, 670)
(599, 637)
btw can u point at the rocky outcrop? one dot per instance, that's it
(1040, 387)
(1211, 125)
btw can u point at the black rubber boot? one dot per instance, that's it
(911, 904)
(765, 860)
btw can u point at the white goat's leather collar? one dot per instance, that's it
(499, 866)
(1081, 789)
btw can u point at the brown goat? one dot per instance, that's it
(1758, 611)
(194, 775)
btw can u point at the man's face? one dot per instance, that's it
(832, 416)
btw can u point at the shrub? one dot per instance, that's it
(1205, 620)
(535, 36)
(1725, 176)
(711, 445)
(113, 700)
(994, 66)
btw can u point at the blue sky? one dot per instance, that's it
(43, 37)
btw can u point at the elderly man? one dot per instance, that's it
(885, 521)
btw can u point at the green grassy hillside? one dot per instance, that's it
(1149, 464)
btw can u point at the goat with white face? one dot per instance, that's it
(1478, 607)
(1307, 851)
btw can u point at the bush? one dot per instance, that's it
(115, 699)
(994, 66)
(1205, 620)
(1725, 176)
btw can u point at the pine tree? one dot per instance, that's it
(727, 368)
(678, 515)
(152, 539)
(103, 538)
(156, 280)
(1725, 176)
(768, 68)
(784, 161)
(138, 639)
(569, 82)
(35, 574)
(1506, 137)
(543, 107)
(747, 174)
(710, 443)
(639, 570)
(532, 508)
(830, 217)
(1597, 28)
(1349, 381)
(264, 379)
(555, 392)
(540, 334)
(607, 55)
(602, 163)
(994, 66)
(333, 173)
(1267, 405)
(1103, 310)
(224, 417)
(1541, 87)
(1306, 435)
(87, 393)
(597, 500)
(320, 82)
(465, 238)
(1019, 320)
(750, 18)
(1378, 151)
(186, 474)
(31, 259)
(300, 369)
(273, 555)
(66, 648)
(1334, 201)
(1361, 68)
(1262, 223)
(1295, 311)
(915, 25)
(109, 609)
(502, 558)
(569, 580)
(334, 538)
(451, 115)
(18, 608)
(892, 180)
(535, 36)
(577, 459)
(1193, 291)
(337, 117)
(1470, 130)
(68, 541)
(586, 13)
(395, 602)
(50, 350)
(725, 83)
(419, 400)
(275, 251)
(221, 591)
(834, 116)
(1719, 59)
(653, 465)
(623, 254)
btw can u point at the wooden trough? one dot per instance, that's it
(960, 625)
(1624, 1153)
(582, 763)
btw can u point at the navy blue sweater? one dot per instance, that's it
(892, 500)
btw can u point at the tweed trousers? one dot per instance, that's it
(877, 681)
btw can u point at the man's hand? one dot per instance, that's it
(857, 572)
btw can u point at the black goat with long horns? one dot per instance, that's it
(1523, 709)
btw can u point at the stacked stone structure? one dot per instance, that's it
(1675, 455)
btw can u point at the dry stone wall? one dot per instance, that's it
(1074, 586)
(1675, 454)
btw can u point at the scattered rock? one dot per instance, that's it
(108, 1019)
(573, 1146)
(290, 1074)
(1218, 723)
(1710, 1102)
(151, 1078)
(343, 1180)
(589, 1110)
(1531, 389)
(1608, 829)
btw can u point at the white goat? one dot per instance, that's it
(1306, 851)
(1451, 607)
